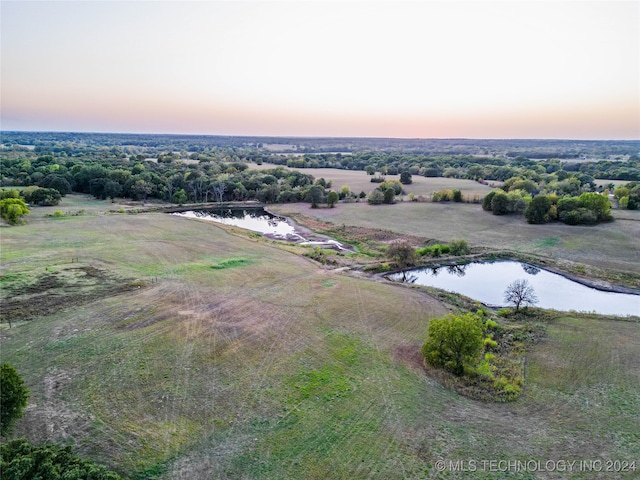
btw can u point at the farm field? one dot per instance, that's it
(182, 350)
(358, 181)
(611, 246)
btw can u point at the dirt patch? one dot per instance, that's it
(45, 292)
(54, 418)
(409, 355)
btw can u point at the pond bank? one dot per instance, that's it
(545, 263)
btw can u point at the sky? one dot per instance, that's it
(418, 69)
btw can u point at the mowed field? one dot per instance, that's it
(612, 246)
(185, 351)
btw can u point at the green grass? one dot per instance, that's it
(273, 367)
(231, 263)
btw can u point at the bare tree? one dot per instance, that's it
(219, 190)
(520, 293)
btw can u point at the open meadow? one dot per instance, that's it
(170, 348)
(358, 181)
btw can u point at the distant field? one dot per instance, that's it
(604, 181)
(359, 181)
(237, 359)
(610, 245)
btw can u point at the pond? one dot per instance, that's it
(487, 282)
(255, 219)
(260, 221)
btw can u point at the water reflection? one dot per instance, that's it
(256, 220)
(530, 269)
(487, 282)
(457, 270)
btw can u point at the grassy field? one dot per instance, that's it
(359, 181)
(612, 246)
(225, 356)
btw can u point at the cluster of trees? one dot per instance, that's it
(385, 192)
(501, 203)
(628, 196)
(586, 209)
(175, 182)
(200, 168)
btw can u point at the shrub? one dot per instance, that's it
(580, 216)
(488, 198)
(459, 247)
(402, 253)
(376, 197)
(13, 209)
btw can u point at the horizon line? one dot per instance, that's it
(317, 137)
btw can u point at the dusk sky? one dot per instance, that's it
(422, 69)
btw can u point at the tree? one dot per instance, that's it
(500, 203)
(598, 204)
(13, 398)
(332, 198)
(538, 210)
(180, 196)
(389, 195)
(58, 182)
(112, 189)
(402, 253)
(13, 209)
(314, 195)
(376, 197)
(405, 178)
(45, 197)
(520, 293)
(454, 342)
(19, 459)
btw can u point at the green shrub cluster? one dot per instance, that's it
(500, 202)
(455, 247)
(447, 195)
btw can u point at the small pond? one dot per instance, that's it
(487, 282)
(255, 219)
(260, 221)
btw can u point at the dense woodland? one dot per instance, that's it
(183, 169)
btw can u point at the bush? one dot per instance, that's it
(488, 198)
(376, 197)
(580, 216)
(13, 209)
(402, 253)
(459, 247)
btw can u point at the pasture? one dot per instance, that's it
(358, 181)
(608, 246)
(226, 356)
